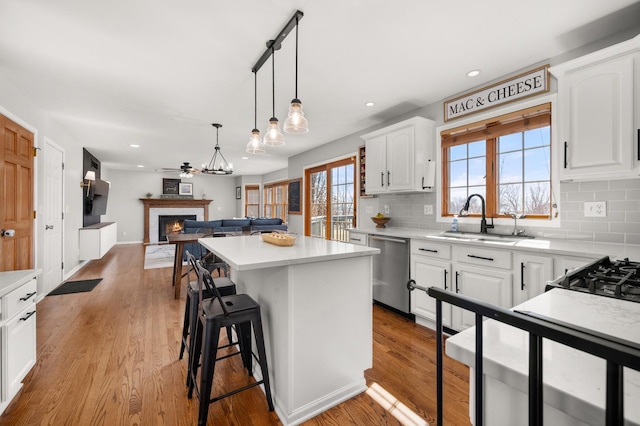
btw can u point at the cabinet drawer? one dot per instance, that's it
(20, 334)
(482, 256)
(19, 299)
(358, 238)
(431, 249)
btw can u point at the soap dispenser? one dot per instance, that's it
(454, 224)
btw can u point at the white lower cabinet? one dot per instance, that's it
(483, 274)
(430, 267)
(564, 264)
(21, 342)
(532, 273)
(18, 291)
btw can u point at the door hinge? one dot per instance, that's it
(62, 166)
(34, 214)
(35, 151)
(61, 265)
(62, 214)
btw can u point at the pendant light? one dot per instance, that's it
(274, 136)
(296, 123)
(224, 167)
(255, 145)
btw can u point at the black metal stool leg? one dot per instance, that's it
(194, 356)
(208, 367)
(185, 326)
(262, 355)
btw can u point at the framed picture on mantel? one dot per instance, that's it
(170, 186)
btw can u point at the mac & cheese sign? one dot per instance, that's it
(513, 89)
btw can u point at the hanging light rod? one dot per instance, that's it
(276, 43)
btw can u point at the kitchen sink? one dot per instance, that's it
(477, 236)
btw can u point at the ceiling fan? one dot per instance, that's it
(186, 171)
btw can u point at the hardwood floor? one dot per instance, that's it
(110, 357)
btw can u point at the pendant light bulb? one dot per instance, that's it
(255, 145)
(274, 136)
(296, 123)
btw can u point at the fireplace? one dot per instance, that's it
(172, 224)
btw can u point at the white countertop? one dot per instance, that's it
(250, 252)
(11, 280)
(574, 381)
(549, 246)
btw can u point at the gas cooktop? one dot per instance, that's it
(604, 277)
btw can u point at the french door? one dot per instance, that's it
(330, 196)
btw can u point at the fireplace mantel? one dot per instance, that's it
(164, 203)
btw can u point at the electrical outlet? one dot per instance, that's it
(370, 209)
(124, 233)
(595, 209)
(428, 209)
(386, 209)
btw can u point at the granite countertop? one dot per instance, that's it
(250, 252)
(574, 381)
(538, 245)
(11, 280)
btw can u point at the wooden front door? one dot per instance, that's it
(16, 196)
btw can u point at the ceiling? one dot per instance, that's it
(157, 74)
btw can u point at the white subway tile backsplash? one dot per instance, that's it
(609, 237)
(581, 196)
(594, 186)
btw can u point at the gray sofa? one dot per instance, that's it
(229, 226)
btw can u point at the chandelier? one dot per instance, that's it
(217, 166)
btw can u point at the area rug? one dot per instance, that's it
(159, 256)
(80, 286)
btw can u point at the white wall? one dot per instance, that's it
(15, 106)
(127, 187)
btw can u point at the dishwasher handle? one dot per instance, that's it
(393, 240)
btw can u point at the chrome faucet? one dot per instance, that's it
(515, 216)
(483, 222)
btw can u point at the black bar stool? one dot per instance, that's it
(239, 310)
(225, 286)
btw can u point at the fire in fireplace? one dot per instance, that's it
(172, 224)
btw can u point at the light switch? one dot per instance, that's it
(428, 209)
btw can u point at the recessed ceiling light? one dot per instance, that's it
(140, 165)
(473, 73)
(245, 158)
(133, 145)
(369, 104)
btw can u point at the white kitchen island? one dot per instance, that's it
(574, 382)
(316, 303)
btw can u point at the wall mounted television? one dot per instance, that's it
(99, 197)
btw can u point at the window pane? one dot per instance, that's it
(510, 167)
(511, 142)
(477, 149)
(458, 173)
(537, 137)
(457, 152)
(457, 197)
(536, 198)
(510, 198)
(477, 171)
(536, 164)
(252, 211)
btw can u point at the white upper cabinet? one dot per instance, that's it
(400, 157)
(599, 114)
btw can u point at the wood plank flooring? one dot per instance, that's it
(110, 357)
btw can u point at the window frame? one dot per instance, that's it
(247, 188)
(544, 101)
(273, 186)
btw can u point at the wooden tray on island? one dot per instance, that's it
(283, 240)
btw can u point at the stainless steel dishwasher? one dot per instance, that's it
(391, 272)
